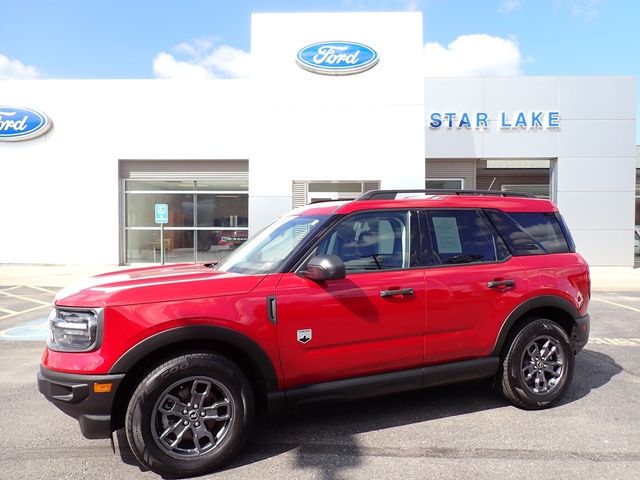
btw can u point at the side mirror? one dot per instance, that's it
(324, 267)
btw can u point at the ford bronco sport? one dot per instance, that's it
(333, 301)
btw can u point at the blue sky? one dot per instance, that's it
(211, 38)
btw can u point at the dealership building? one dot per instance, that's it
(336, 104)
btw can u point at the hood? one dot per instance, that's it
(155, 284)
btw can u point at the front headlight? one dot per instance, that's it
(72, 330)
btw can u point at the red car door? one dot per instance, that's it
(369, 322)
(471, 288)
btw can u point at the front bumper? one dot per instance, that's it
(580, 333)
(75, 395)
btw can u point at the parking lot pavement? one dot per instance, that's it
(462, 431)
(24, 311)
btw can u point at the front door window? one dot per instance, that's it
(372, 241)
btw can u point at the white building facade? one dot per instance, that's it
(230, 156)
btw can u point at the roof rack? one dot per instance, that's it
(324, 200)
(391, 194)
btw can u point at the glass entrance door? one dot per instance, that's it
(207, 219)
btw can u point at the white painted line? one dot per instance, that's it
(10, 288)
(46, 290)
(620, 342)
(6, 310)
(633, 309)
(25, 311)
(32, 300)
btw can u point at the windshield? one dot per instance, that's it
(265, 252)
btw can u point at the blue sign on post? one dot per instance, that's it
(162, 213)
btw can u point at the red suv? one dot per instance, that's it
(333, 301)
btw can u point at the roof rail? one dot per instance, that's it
(324, 200)
(391, 194)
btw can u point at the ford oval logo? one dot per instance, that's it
(337, 58)
(22, 124)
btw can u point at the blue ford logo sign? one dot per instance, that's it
(337, 58)
(22, 124)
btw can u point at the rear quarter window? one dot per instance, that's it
(531, 233)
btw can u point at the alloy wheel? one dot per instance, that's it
(192, 417)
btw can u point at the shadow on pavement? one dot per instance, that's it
(593, 370)
(323, 436)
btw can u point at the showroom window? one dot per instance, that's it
(311, 191)
(540, 191)
(637, 207)
(636, 233)
(208, 217)
(444, 184)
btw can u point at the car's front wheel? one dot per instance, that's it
(190, 415)
(537, 368)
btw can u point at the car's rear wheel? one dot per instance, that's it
(190, 415)
(538, 366)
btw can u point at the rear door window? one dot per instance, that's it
(461, 237)
(530, 233)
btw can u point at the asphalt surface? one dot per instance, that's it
(463, 431)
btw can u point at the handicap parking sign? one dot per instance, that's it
(162, 213)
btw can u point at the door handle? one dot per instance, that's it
(501, 284)
(401, 291)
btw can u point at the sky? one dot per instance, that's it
(169, 39)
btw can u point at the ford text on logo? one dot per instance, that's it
(337, 58)
(21, 124)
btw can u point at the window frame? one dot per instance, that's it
(193, 191)
(427, 241)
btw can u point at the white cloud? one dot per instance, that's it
(202, 59)
(473, 55)
(508, 6)
(586, 9)
(16, 70)
(409, 5)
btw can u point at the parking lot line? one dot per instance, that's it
(633, 309)
(6, 310)
(42, 289)
(620, 342)
(26, 299)
(10, 288)
(25, 311)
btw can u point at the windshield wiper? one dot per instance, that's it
(375, 259)
(464, 258)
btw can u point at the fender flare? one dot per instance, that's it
(197, 333)
(528, 305)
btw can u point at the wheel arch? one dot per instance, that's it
(143, 357)
(552, 307)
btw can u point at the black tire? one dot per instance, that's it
(526, 379)
(157, 406)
